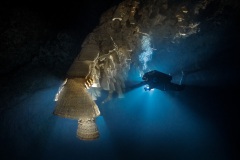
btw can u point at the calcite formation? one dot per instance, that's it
(109, 50)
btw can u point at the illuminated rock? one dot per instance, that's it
(81, 67)
(134, 7)
(74, 101)
(87, 129)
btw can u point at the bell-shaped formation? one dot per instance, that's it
(74, 102)
(87, 129)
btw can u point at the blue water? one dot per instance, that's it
(143, 125)
(199, 123)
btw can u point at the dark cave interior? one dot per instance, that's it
(39, 41)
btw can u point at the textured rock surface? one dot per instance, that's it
(135, 31)
(197, 37)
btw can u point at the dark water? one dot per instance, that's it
(198, 123)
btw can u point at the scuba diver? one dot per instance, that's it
(161, 81)
(158, 80)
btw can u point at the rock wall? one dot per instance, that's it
(128, 35)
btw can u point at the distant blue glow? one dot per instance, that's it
(146, 55)
(143, 122)
(147, 88)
